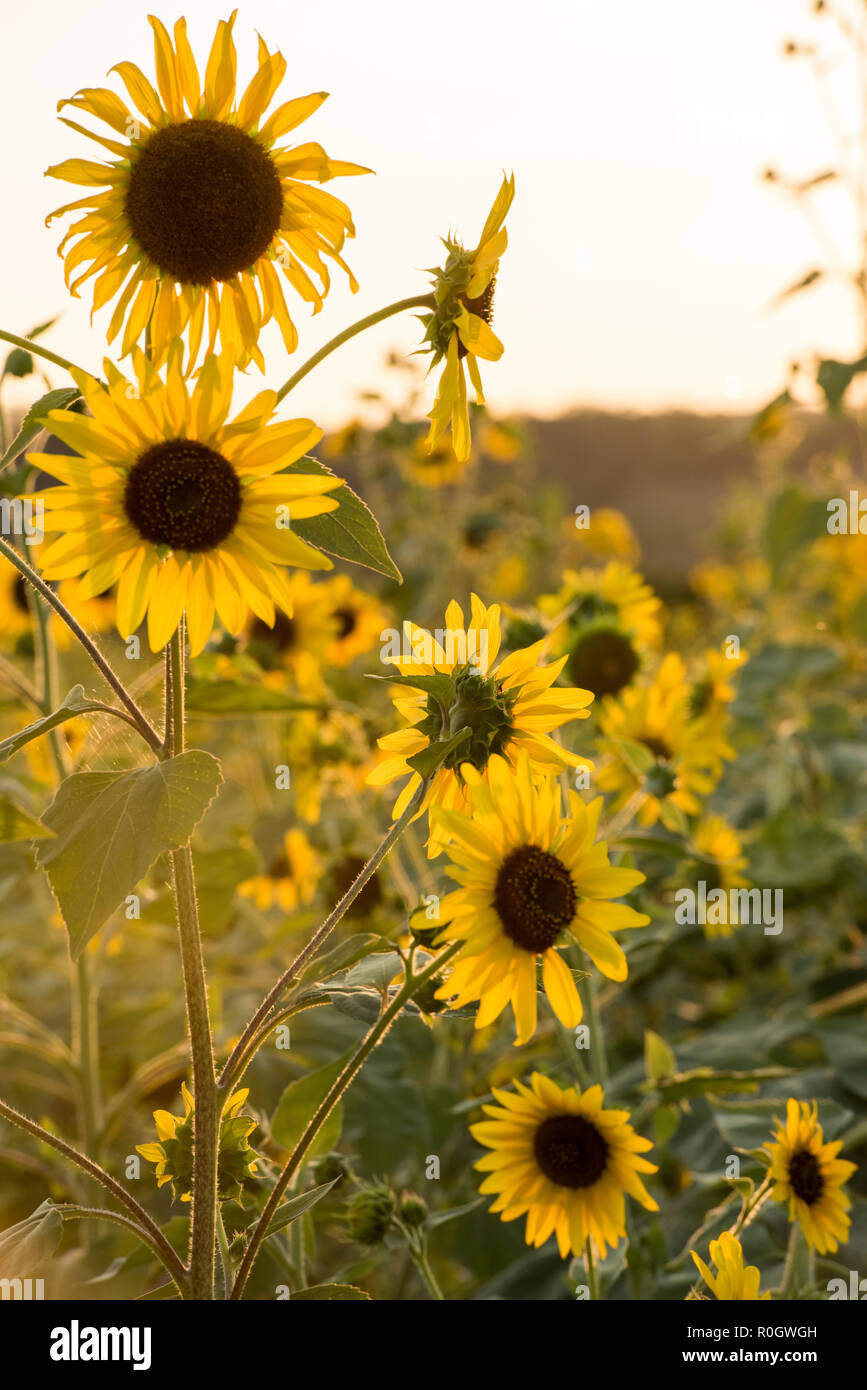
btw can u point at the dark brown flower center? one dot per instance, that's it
(805, 1175)
(482, 306)
(183, 495)
(534, 898)
(570, 1150)
(19, 594)
(204, 201)
(281, 637)
(603, 661)
(347, 621)
(658, 747)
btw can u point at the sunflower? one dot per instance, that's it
(717, 847)
(197, 206)
(355, 621)
(178, 506)
(290, 880)
(809, 1176)
(566, 1162)
(653, 741)
(507, 707)
(530, 880)
(605, 620)
(459, 329)
(15, 615)
(607, 536)
(435, 466)
(295, 644)
(732, 1281)
(173, 1155)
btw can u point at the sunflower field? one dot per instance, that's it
(401, 899)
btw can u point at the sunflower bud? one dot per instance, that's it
(369, 1214)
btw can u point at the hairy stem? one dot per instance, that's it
(414, 301)
(139, 718)
(241, 1052)
(318, 1119)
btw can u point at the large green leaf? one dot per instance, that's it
(30, 425)
(110, 827)
(16, 824)
(298, 1104)
(75, 703)
(351, 533)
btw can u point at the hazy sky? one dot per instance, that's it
(644, 248)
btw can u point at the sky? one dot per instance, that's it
(644, 247)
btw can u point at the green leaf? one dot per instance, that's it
(348, 953)
(111, 827)
(299, 1102)
(350, 533)
(75, 703)
(30, 425)
(240, 697)
(28, 1244)
(704, 1081)
(834, 379)
(659, 1060)
(16, 824)
(429, 759)
(332, 1293)
(442, 687)
(792, 520)
(296, 1206)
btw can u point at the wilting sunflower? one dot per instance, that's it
(181, 508)
(732, 1281)
(680, 755)
(507, 707)
(459, 329)
(198, 206)
(290, 880)
(605, 620)
(564, 1161)
(173, 1155)
(530, 881)
(809, 1176)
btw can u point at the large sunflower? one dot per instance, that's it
(680, 755)
(197, 208)
(180, 507)
(459, 329)
(732, 1281)
(809, 1176)
(564, 1161)
(508, 707)
(529, 881)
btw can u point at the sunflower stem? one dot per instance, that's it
(139, 718)
(242, 1052)
(157, 1241)
(597, 1035)
(206, 1112)
(326, 1106)
(426, 301)
(592, 1272)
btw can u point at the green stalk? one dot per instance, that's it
(597, 1036)
(592, 1273)
(318, 1119)
(206, 1113)
(242, 1053)
(36, 348)
(414, 301)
